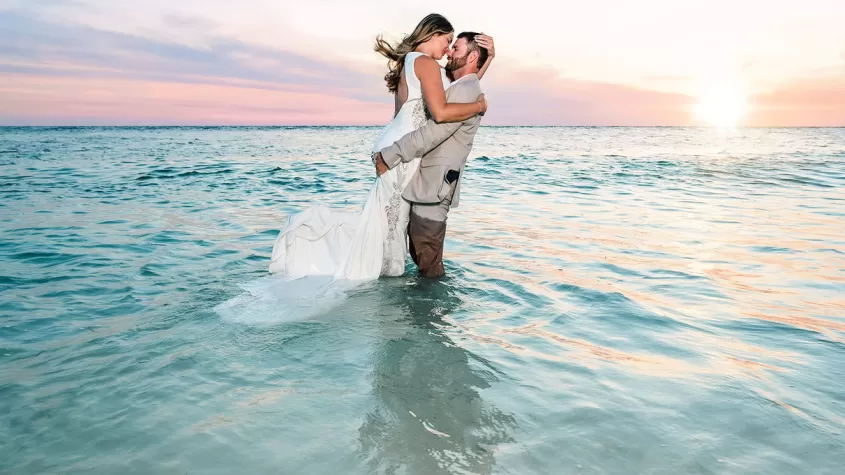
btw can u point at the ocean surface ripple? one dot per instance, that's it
(618, 300)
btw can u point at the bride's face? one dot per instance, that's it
(440, 45)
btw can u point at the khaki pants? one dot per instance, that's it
(427, 233)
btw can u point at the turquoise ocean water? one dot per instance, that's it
(618, 300)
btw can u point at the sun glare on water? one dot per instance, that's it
(721, 106)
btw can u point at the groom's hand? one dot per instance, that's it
(381, 167)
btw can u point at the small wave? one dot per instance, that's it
(170, 172)
(44, 257)
(804, 180)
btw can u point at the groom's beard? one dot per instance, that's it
(455, 64)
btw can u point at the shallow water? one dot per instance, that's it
(618, 300)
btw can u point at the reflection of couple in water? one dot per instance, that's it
(429, 416)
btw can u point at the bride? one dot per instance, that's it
(362, 245)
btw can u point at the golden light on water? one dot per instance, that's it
(722, 105)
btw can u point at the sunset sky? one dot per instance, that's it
(603, 62)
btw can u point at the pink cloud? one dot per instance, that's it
(31, 99)
(531, 97)
(541, 97)
(810, 102)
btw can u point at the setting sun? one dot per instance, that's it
(721, 106)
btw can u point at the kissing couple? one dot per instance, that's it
(419, 159)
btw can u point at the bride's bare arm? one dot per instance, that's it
(428, 71)
(486, 42)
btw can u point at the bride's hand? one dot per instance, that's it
(486, 42)
(483, 102)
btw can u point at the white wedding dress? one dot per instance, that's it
(366, 244)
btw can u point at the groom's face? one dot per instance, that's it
(457, 55)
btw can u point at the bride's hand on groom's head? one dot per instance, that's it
(486, 42)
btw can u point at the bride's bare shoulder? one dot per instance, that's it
(425, 60)
(426, 65)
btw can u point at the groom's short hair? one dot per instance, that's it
(473, 46)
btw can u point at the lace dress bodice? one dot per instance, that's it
(412, 114)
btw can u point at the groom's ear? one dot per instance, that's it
(472, 57)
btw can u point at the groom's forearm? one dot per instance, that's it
(431, 134)
(419, 142)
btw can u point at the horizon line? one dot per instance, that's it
(280, 126)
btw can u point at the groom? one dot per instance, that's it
(444, 149)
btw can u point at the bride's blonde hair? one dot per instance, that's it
(431, 25)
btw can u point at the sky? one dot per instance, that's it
(283, 62)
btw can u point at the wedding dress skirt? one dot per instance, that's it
(365, 244)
